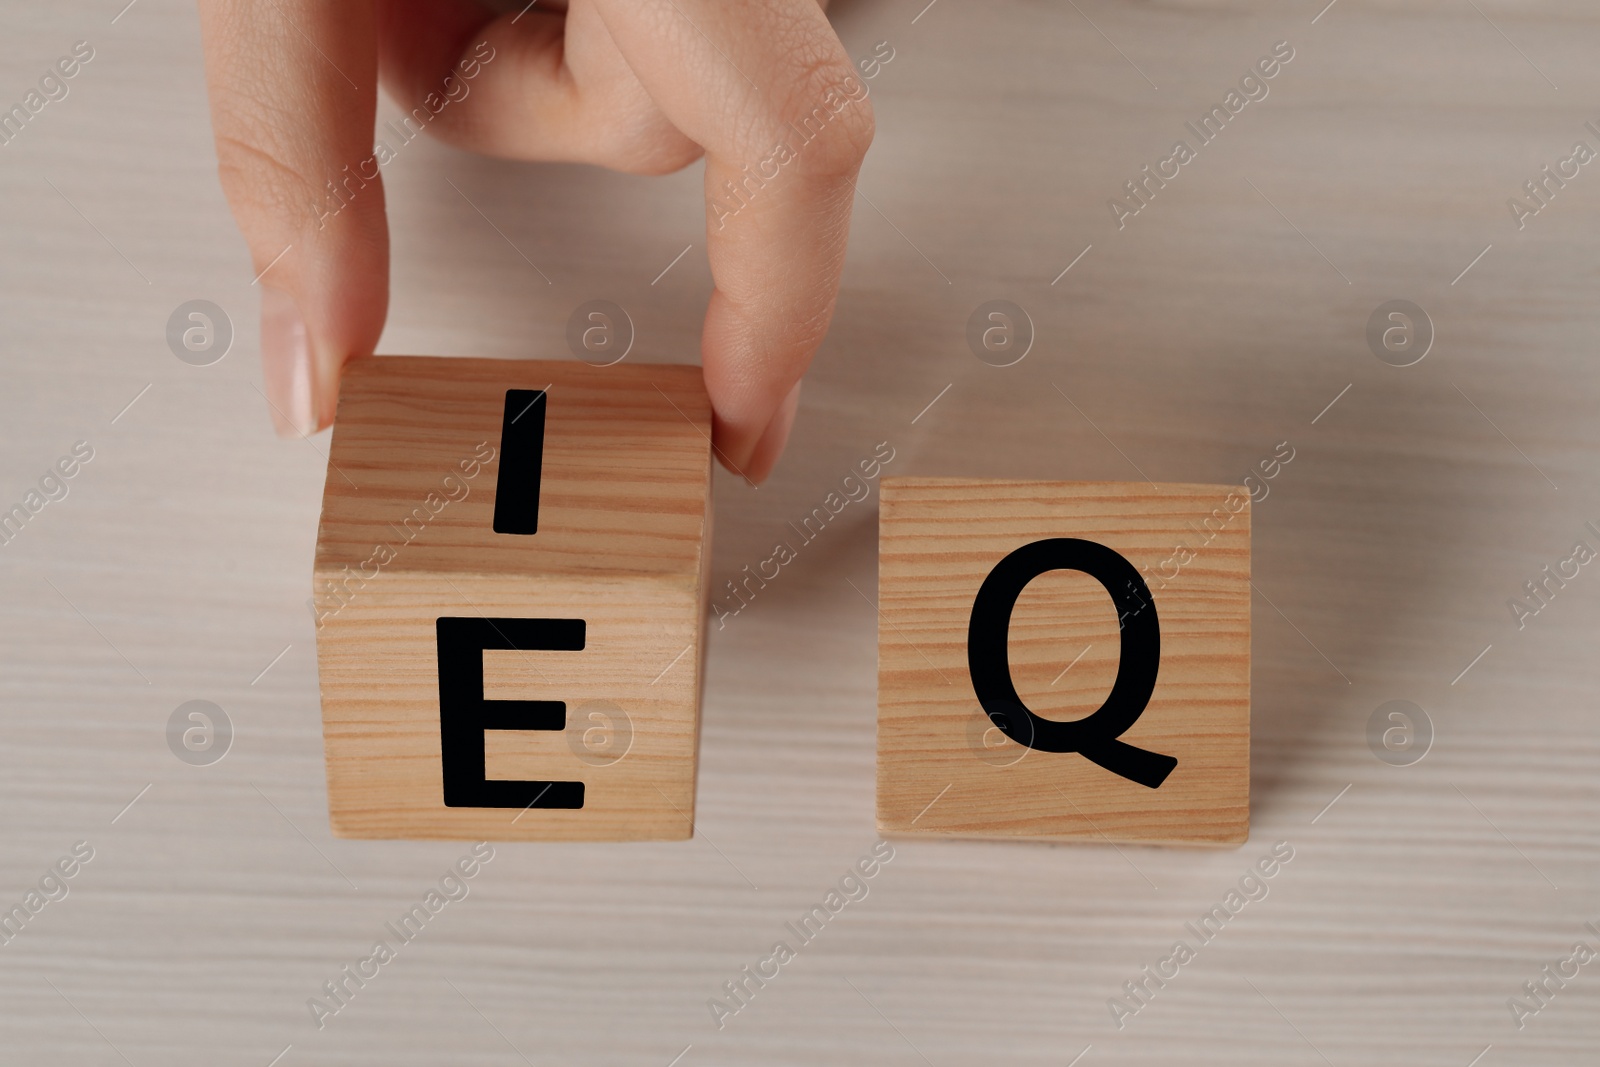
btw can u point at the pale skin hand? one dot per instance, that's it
(644, 86)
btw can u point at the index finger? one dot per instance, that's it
(767, 89)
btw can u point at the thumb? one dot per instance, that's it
(293, 90)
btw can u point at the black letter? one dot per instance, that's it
(1096, 736)
(464, 714)
(516, 506)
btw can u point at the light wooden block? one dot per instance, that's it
(946, 767)
(429, 464)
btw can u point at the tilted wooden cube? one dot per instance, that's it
(510, 592)
(1064, 660)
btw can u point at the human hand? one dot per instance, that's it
(643, 86)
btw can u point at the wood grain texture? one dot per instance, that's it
(1420, 898)
(415, 470)
(944, 768)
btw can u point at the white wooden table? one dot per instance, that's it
(1224, 318)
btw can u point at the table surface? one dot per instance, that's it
(1226, 317)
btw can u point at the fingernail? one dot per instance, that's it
(770, 445)
(286, 364)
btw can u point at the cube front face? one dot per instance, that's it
(1112, 638)
(568, 706)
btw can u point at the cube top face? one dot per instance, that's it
(1089, 590)
(620, 491)
(511, 594)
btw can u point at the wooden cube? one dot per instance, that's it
(510, 590)
(1064, 660)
